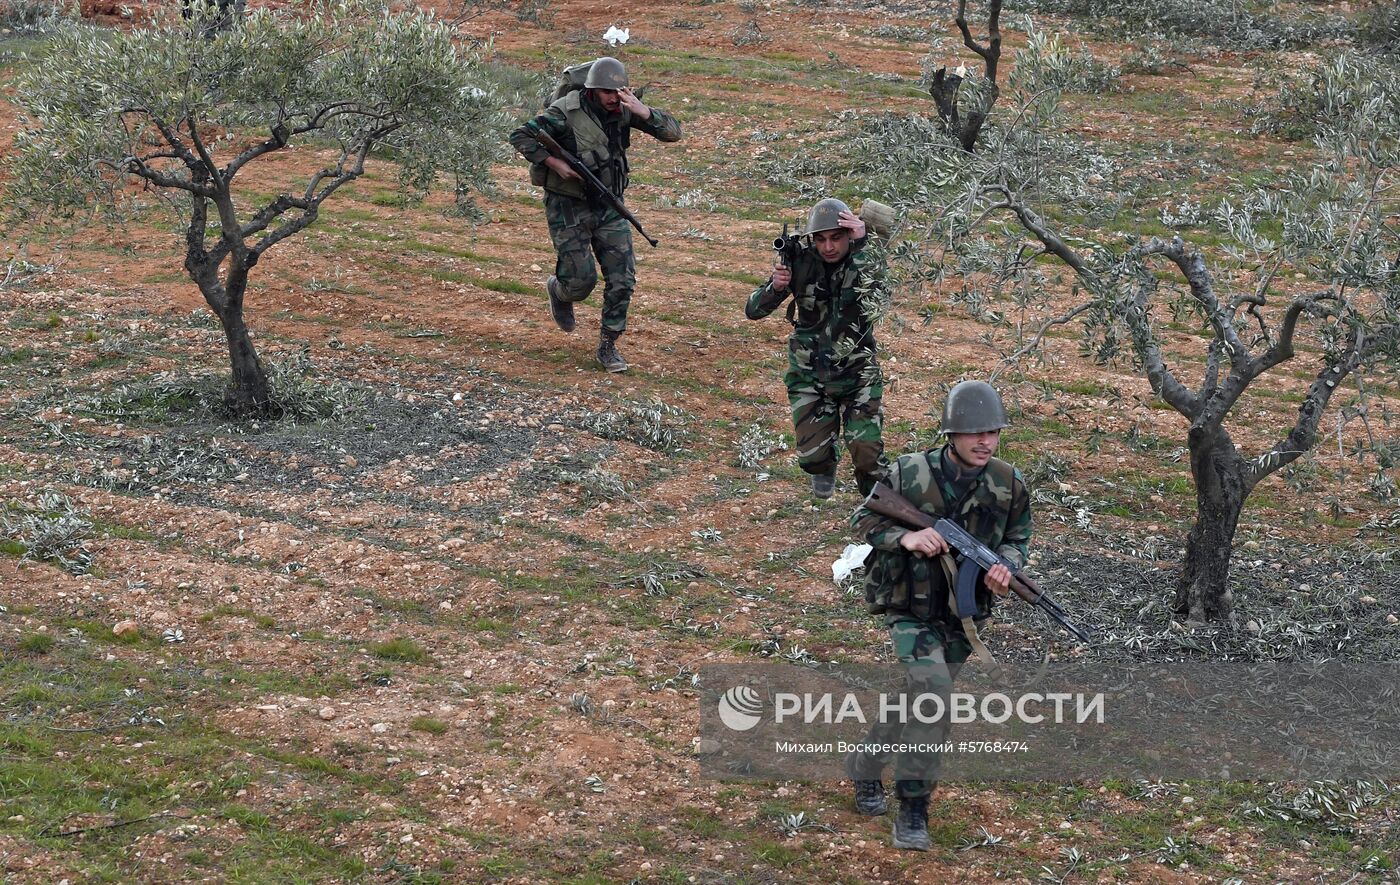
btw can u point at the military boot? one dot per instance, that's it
(561, 310)
(911, 824)
(824, 484)
(608, 357)
(870, 798)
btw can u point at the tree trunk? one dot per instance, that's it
(1203, 589)
(972, 126)
(249, 393)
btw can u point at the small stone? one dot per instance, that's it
(379, 727)
(125, 628)
(1391, 619)
(326, 713)
(1253, 627)
(351, 461)
(1368, 600)
(706, 747)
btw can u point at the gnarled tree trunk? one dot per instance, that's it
(1222, 485)
(249, 393)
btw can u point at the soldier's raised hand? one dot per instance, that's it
(782, 277)
(852, 223)
(633, 103)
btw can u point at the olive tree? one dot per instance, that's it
(965, 100)
(1310, 265)
(181, 111)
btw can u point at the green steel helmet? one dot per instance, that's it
(826, 215)
(606, 73)
(973, 407)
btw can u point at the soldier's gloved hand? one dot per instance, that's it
(998, 579)
(633, 104)
(852, 223)
(926, 542)
(782, 277)
(565, 171)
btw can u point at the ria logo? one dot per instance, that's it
(739, 708)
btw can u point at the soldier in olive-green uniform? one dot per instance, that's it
(595, 124)
(907, 584)
(833, 379)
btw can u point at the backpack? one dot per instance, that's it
(570, 80)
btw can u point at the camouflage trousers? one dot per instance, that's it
(931, 655)
(581, 233)
(824, 412)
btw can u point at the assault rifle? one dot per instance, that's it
(976, 557)
(591, 181)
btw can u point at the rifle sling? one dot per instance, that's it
(974, 639)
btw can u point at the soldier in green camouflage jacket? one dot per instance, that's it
(833, 379)
(595, 124)
(909, 585)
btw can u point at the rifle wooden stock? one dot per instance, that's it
(891, 504)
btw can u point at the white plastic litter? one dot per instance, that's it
(616, 35)
(852, 558)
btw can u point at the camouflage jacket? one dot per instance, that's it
(995, 509)
(832, 314)
(597, 138)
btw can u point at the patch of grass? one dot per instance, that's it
(510, 287)
(9, 356)
(401, 649)
(449, 251)
(487, 625)
(123, 531)
(395, 199)
(428, 724)
(36, 643)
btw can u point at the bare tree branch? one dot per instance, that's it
(1034, 343)
(1303, 434)
(308, 214)
(1282, 349)
(1139, 322)
(135, 166)
(1053, 244)
(1193, 267)
(205, 157)
(991, 53)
